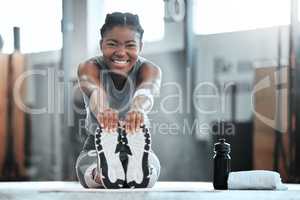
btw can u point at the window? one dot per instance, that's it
(217, 16)
(39, 23)
(151, 14)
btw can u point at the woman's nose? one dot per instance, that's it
(120, 51)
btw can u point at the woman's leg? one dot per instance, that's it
(86, 169)
(86, 166)
(154, 168)
(143, 167)
(99, 153)
(154, 164)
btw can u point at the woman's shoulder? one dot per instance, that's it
(90, 66)
(96, 60)
(93, 62)
(145, 63)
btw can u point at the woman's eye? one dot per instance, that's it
(131, 45)
(111, 44)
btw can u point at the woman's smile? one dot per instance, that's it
(120, 48)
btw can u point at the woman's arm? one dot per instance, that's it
(90, 85)
(148, 87)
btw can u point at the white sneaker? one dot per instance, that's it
(137, 175)
(109, 164)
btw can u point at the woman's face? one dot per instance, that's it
(120, 48)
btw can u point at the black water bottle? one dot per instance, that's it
(221, 164)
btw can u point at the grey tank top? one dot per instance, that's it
(118, 99)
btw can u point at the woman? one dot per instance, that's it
(118, 89)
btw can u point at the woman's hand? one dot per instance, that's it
(108, 120)
(133, 121)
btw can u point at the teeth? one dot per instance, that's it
(120, 61)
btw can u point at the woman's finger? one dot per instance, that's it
(127, 122)
(100, 119)
(133, 122)
(138, 121)
(110, 120)
(115, 121)
(105, 120)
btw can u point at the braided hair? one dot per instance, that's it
(122, 19)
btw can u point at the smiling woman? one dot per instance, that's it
(121, 45)
(118, 89)
(120, 48)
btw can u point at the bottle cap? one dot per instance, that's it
(222, 146)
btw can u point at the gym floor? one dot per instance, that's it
(162, 190)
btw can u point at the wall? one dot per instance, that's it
(44, 93)
(255, 48)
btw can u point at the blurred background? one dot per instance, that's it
(230, 69)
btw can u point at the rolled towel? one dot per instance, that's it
(255, 180)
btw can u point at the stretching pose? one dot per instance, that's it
(118, 89)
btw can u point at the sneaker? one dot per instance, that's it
(109, 164)
(137, 175)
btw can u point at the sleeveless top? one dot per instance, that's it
(119, 100)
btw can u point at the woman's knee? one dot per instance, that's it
(153, 160)
(85, 160)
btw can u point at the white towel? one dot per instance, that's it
(255, 180)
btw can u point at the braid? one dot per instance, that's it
(122, 19)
